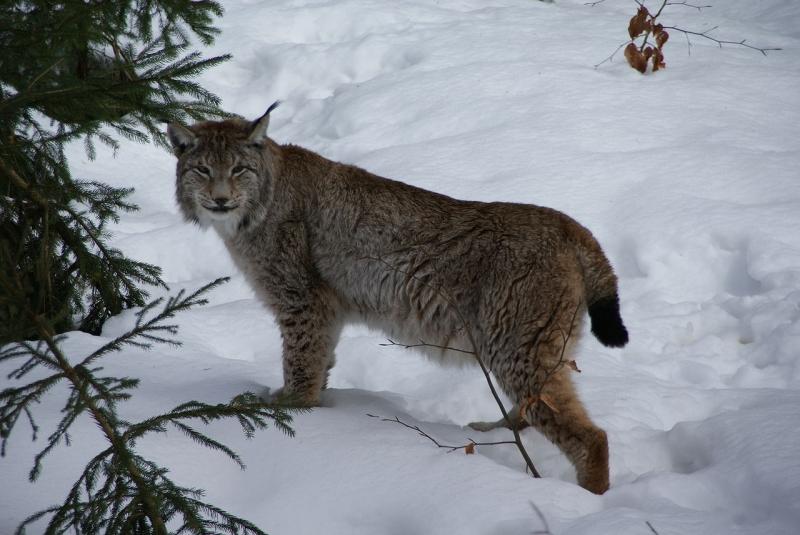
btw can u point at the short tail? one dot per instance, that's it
(600, 285)
(607, 324)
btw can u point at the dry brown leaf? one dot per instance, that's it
(547, 400)
(658, 60)
(648, 51)
(635, 58)
(639, 23)
(661, 38)
(469, 449)
(533, 400)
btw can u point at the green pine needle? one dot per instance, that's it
(114, 490)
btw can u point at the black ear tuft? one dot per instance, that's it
(272, 106)
(258, 132)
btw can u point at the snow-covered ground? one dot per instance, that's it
(690, 178)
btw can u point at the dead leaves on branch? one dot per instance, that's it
(635, 59)
(639, 56)
(645, 50)
(661, 35)
(638, 23)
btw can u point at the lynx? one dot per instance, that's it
(323, 243)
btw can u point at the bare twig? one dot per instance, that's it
(468, 449)
(470, 444)
(468, 333)
(534, 396)
(546, 530)
(425, 344)
(687, 4)
(652, 18)
(648, 26)
(652, 529)
(688, 44)
(517, 438)
(721, 42)
(611, 57)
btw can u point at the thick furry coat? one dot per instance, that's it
(324, 243)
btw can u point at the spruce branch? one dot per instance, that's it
(86, 71)
(104, 420)
(119, 491)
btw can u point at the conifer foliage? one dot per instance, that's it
(119, 491)
(95, 70)
(84, 70)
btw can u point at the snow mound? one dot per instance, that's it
(689, 179)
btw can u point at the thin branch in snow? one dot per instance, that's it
(611, 57)
(687, 4)
(468, 333)
(721, 42)
(644, 55)
(422, 343)
(652, 529)
(468, 447)
(546, 530)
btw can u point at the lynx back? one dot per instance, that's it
(324, 243)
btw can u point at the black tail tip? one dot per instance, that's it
(607, 324)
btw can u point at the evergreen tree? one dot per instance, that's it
(95, 70)
(87, 70)
(119, 491)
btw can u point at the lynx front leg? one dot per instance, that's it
(309, 333)
(306, 310)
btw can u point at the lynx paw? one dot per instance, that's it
(502, 423)
(285, 398)
(514, 419)
(487, 426)
(594, 476)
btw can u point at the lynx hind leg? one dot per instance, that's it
(565, 422)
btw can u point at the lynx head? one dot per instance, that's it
(224, 174)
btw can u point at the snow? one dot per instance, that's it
(689, 179)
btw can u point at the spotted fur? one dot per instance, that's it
(324, 243)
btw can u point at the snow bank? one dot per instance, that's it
(688, 178)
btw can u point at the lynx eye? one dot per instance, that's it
(239, 169)
(203, 170)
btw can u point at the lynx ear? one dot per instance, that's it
(258, 134)
(181, 137)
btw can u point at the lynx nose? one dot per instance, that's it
(221, 201)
